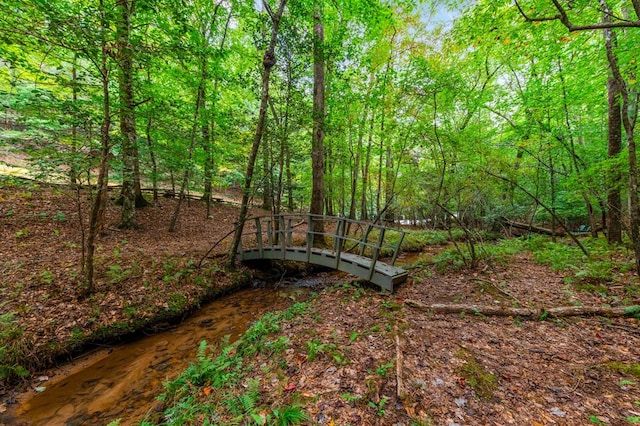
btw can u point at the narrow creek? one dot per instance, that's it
(123, 381)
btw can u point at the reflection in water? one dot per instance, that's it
(123, 382)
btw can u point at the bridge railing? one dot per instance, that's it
(340, 235)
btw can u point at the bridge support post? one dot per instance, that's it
(365, 237)
(309, 236)
(269, 232)
(259, 237)
(282, 236)
(339, 240)
(376, 251)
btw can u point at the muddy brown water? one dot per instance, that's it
(124, 381)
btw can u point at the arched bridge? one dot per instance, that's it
(343, 244)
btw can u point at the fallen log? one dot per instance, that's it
(535, 313)
(532, 228)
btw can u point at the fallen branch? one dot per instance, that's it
(399, 385)
(535, 313)
(532, 228)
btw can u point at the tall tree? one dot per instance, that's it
(268, 61)
(317, 141)
(614, 148)
(131, 194)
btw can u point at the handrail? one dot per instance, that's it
(342, 234)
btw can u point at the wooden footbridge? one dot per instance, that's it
(347, 245)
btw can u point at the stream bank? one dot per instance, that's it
(122, 382)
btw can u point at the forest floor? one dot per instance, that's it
(377, 358)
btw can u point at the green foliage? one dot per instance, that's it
(380, 406)
(632, 369)
(46, 277)
(59, 217)
(223, 375)
(117, 274)
(417, 240)
(177, 303)
(246, 402)
(23, 233)
(10, 348)
(383, 368)
(289, 416)
(586, 273)
(315, 348)
(351, 399)
(450, 259)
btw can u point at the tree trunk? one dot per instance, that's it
(267, 179)
(127, 116)
(208, 127)
(389, 213)
(99, 202)
(268, 61)
(152, 155)
(199, 106)
(317, 142)
(629, 116)
(355, 156)
(364, 208)
(614, 148)
(290, 200)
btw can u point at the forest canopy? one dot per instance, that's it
(511, 110)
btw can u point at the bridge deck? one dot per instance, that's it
(273, 238)
(386, 276)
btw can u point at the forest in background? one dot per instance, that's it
(521, 110)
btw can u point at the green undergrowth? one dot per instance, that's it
(222, 389)
(629, 369)
(604, 265)
(459, 256)
(415, 240)
(11, 348)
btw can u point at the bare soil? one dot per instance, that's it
(383, 361)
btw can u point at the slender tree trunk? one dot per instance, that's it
(356, 161)
(282, 133)
(74, 169)
(290, 201)
(364, 207)
(552, 185)
(207, 144)
(100, 200)
(127, 115)
(152, 155)
(317, 141)
(267, 187)
(200, 105)
(389, 215)
(208, 127)
(614, 148)
(329, 166)
(629, 116)
(268, 61)
(578, 164)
